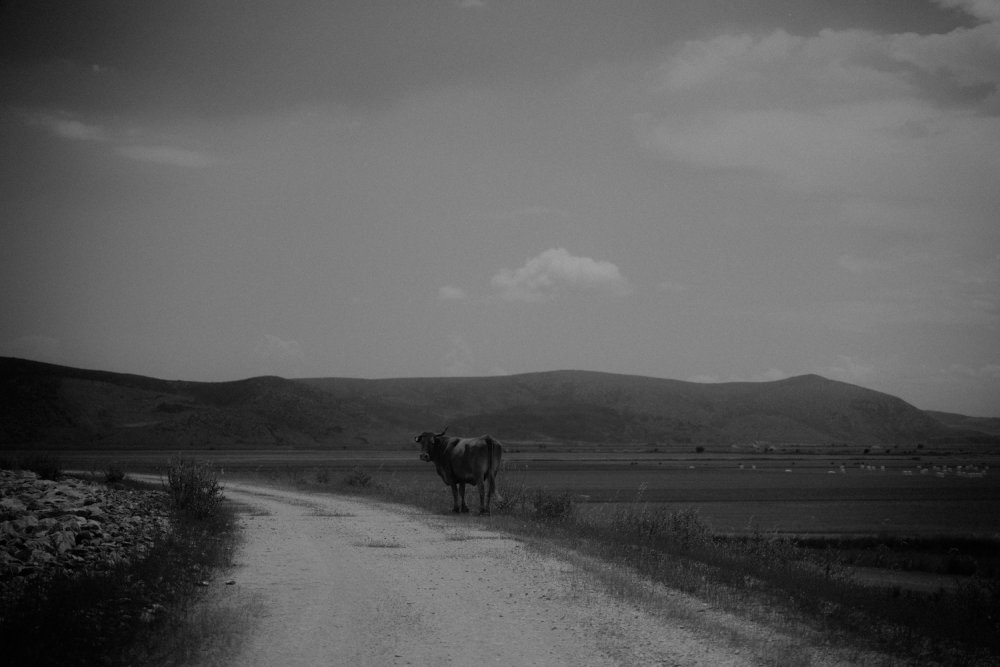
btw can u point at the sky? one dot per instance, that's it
(710, 191)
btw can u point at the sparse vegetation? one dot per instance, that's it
(194, 487)
(512, 490)
(661, 537)
(670, 534)
(114, 474)
(551, 506)
(767, 576)
(359, 477)
(141, 612)
(683, 528)
(379, 543)
(47, 466)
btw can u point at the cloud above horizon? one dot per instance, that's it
(451, 293)
(728, 190)
(65, 127)
(841, 111)
(556, 270)
(168, 155)
(122, 141)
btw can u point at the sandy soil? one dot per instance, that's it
(351, 582)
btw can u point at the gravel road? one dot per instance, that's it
(353, 582)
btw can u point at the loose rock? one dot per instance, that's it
(71, 526)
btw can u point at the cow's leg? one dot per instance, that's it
(454, 497)
(489, 494)
(461, 492)
(484, 507)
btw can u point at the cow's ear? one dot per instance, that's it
(416, 439)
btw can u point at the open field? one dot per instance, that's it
(896, 553)
(798, 494)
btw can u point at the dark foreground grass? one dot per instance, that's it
(764, 577)
(140, 613)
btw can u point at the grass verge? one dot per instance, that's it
(802, 588)
(147, 612)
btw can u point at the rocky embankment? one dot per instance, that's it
(71, 525)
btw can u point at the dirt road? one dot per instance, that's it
(352, 582)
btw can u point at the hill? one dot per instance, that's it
(56, 406)
(990, 425)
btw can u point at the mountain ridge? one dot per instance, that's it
(51, 405)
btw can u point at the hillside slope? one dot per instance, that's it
(50, 405)
(43, 403)
(985, 425)
(591, 406)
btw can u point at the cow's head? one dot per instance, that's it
(428, 443)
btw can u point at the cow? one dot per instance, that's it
(461, 461)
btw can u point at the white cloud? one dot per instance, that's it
(73, 129)
(555, 270)
(65, 127)
(971, 55)
(841, 148)
(168, 155)
(451, 293)
(987, 10)
(847, 110)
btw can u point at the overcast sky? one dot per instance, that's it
(713, 191)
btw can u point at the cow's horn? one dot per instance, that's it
(442, 432)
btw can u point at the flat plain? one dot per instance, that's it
(822, 493)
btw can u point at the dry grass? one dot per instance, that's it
(379, 543)
(151, 611)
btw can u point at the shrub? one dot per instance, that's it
(552, 506)
(114, 474)
(194, 487)
(688, 528)
(509, 498)
(684, 527)
(511, 490)
(359, 477)
(45, 466)
(642, 525)
(140, 612)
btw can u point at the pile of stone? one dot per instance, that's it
(49, 527)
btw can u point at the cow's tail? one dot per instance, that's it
(495, 454)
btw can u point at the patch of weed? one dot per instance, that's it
(141, 612)
(194, 487)
(359, 477)
(45, 465)
(551, 506)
